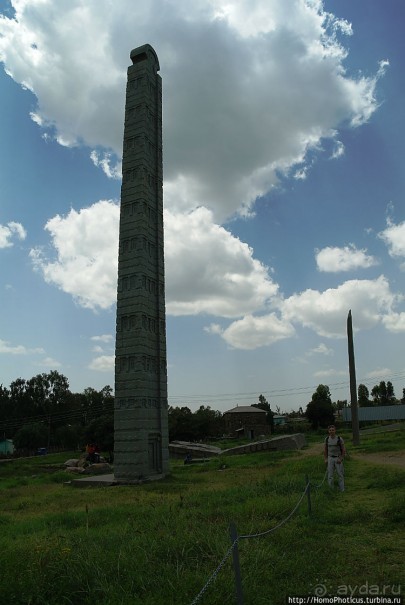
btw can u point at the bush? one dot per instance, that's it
(31, 437)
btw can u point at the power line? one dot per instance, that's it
(336, 386)
(66, 415)
(80, 413)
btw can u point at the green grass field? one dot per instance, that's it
(159, 543)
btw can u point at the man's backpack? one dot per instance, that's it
(339, 442)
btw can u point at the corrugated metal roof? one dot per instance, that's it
(377, 412)
(242, 409)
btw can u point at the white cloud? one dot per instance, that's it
(6, 347)
(394, 238)
(10, 231)
(334, 260)
(329, 372)
(110, 166)
(252, 332)
(208, 270)
(104, 363)
(395, 322)
(49, 363)
(249, 87)
(371, 302)
(379, 373)
(338, 151)
(105, 338)
(86, 246)
(321, 349)
(98, 350)
(326, 312)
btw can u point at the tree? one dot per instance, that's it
(69, 436)
(207, 423)
(30, 437)
(4, 403)
(101, 431)
(320, 410)
(381, 394)
(264, 405)
(339, 405)
(180, 424)
(21, 404)
(391, 399)
(375, 394)
(185, 425)
(363, 396)
(49, 394)
(96, 403)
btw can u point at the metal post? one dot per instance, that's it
(308, 488)
(235, 554)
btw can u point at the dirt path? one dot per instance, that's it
(391, 458)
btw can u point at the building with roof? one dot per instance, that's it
(246, 421)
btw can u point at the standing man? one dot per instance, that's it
(334, 453)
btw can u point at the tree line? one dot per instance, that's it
(321, 411)
(381, 394)
(43, 412)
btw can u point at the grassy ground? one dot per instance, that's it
(159, 543)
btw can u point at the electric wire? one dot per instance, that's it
(80, 414)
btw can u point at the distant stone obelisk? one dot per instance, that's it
(353, 386)
(140, 414)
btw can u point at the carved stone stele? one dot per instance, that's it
(140, 415)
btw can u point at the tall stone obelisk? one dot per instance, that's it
(140, 413)
(353, 386)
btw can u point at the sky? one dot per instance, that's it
(283, 146)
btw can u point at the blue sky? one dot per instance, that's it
(283, 132)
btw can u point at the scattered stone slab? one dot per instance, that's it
(180, 449)
(99, 468)
(72, 462)
(290, 442)
(94, 481)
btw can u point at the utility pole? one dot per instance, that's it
(353, 386)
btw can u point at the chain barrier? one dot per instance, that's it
(233, 545)
(322, 482)
(265, 533)
(215, 573)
